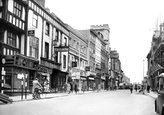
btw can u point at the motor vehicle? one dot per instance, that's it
(159, 101)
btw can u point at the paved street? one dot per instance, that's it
(119, 102)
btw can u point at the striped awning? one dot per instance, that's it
(154, 68)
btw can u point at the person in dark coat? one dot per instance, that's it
(75, 88)
(131, 87)
(148, 88)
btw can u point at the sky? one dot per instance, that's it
(131, 22)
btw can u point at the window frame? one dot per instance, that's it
(17, 9)
(35, 21)
(47, 29)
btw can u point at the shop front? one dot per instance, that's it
(90, 80)
(103, 82)
(18, 72)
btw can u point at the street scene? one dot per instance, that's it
(120, 102)
(91, 57)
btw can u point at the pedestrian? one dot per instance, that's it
(75, 88)
(71, 87)
(131, 88)
(136, 87)
(36, 88)
(148, 88)
(68, 88)
(46, 86)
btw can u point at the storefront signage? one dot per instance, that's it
(44, 69)
(31, 32)
(87, 68)
(24, 62)
(20, 76)
(61, 49)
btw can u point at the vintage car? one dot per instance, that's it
(159, 101)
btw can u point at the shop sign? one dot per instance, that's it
(31, 32)
(87, 68)
(44, 69)
(61, 49)
(23, 62)
(20, 76)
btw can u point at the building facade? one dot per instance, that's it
(155, 57)
(48, 45)
(103, 32)
(13, 47)
(78, 52)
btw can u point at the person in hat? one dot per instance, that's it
(36, 87)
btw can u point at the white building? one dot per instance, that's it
(47, 43)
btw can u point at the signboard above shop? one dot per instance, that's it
(31, 32)
(61, 49)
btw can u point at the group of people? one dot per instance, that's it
(39, 88)
(141, 88)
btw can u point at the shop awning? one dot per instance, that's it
(155, 67)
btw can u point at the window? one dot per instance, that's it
(1, 3)
(35, 20)
(56, 57)
(65, 41)
(77, 47)
(47, 28)
(82, 49)
(46, 50)
(74, 43)
(17, 9)
(11, 39)
(56, 35)
(34, 47)
(64, 61)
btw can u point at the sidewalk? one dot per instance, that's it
(152, 94)
(45, 96)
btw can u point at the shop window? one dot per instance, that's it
(7, 80)
(34, 47)
(46, 50)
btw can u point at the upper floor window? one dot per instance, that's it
(77, 47)
(17, 9)
(57, 35)
(34, 47)
(1, 3)
(35, 20)
(47, 29)
(64, 61)
(46, 50)
(74, 43)
(11, 39)
(65, 41)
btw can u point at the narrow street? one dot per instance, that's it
(119, 102)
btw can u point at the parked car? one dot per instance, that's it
(159, 101)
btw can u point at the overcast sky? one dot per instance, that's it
(131, 23)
